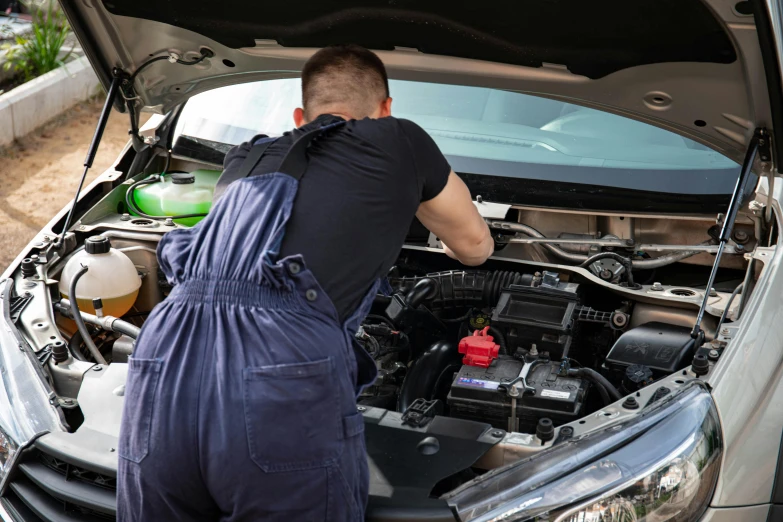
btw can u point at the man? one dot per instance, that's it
(240, 399)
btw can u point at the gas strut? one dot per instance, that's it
(759, 142)
(120, 77)
(92, 151)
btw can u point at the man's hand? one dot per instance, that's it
(454, 219)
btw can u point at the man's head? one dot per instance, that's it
(344, 80)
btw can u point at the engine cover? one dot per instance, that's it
(663, 348)
(475, 395)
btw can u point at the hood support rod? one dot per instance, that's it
(114, 88)
(758, 143)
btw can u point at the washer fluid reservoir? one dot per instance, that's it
(178, 194)
(112, 277)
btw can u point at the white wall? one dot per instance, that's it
(32, 104)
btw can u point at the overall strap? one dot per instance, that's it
(253, 157)
(294, 163)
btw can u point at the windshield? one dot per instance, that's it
(492, 132)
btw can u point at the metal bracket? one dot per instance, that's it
(764, 140)
(433, 242)
(149, 138)
(18, 303)
(421, 412)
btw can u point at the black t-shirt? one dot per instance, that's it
(357, 199)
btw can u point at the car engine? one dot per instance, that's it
(510, 349)
(524, 351)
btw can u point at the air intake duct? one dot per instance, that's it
(464, 288)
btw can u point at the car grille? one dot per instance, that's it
(48, 489)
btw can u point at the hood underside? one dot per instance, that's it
(689, 66)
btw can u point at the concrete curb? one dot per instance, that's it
(32, 104)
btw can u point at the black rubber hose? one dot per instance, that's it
(617, 257)
(423, 375)
(424, 289)
(384, 320)
(73, 346)
(597, 378)
(603, 393)
(130, 203)
(161, 58)
(500, 279)
(725, 313)
(77, 316)
(144, 66)
(465, 288)
(500, 339)
(747, 286)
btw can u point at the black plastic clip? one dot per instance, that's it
(420, 412)
(18, 304)
(764, 144)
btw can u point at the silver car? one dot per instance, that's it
(620, 356)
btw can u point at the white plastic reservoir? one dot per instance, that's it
(111, 276)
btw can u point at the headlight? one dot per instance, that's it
(8, 449)
(26, 408)
(662, 466)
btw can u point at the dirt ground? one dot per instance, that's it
(39, 174)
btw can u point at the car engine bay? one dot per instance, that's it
(520, 351)
(579, 319)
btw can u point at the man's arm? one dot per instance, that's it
(454, 219)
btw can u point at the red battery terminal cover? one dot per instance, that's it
(479, 349)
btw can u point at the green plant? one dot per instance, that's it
(40, 52)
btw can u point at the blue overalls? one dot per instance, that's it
(240, 398)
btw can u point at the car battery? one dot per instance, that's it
(477, 394)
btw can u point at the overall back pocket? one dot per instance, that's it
(140, 391)
(292, 415)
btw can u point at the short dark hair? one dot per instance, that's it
(344, 74)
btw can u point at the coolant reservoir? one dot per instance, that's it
(179, 194)
(112, 277)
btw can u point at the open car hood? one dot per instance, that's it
(691, 66)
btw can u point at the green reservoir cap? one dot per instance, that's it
(184, 178)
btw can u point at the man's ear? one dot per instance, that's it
(299, 118)
(386, 107)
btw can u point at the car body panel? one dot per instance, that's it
(748, 392)
(744, 513)
(586, 37)
(730, 100)
(750, 401)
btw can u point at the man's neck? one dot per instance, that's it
(342, 115)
